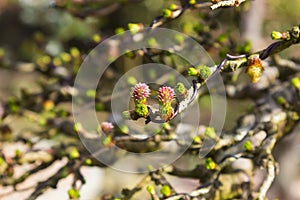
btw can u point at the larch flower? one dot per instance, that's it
(107, 127)
(165, 95)
(140, 92)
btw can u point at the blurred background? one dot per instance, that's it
(35, 33)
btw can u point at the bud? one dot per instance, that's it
(165, 95)
(179, 39)
(210, 132)
(91, 93)
(119, 30)
(197, 140)
(73, 154)
(65, 57)
(248, 146)
(192, 72)
(88, 162)
(294, 116)
(18, 153)
(130, 54)
(107, 141)
(107, 127)
(282, 101)
(204, 72)
(173, 7)
(124, 129)
(167, 13)
(73, 193)
(96, 38)
(152, 42)
(134, 28)
(295, 32)
(131, 80)
(140, 92)
(275, 35)
(78, 127)
(150, 189)
(75, 52)
(296, 82)
(126, 114)
(255, 68)
(165, 191)
(210, 164)
(57, 61)
(166, 126)
(192, 2)
(180, 90)
(48, 105)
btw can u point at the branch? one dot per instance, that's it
(175, 11)
(70, 168)
(229, 3)
(271, 174)
(229, 64)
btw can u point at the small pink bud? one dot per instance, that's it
(107, 127)
(140, 92)
(165, 95)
